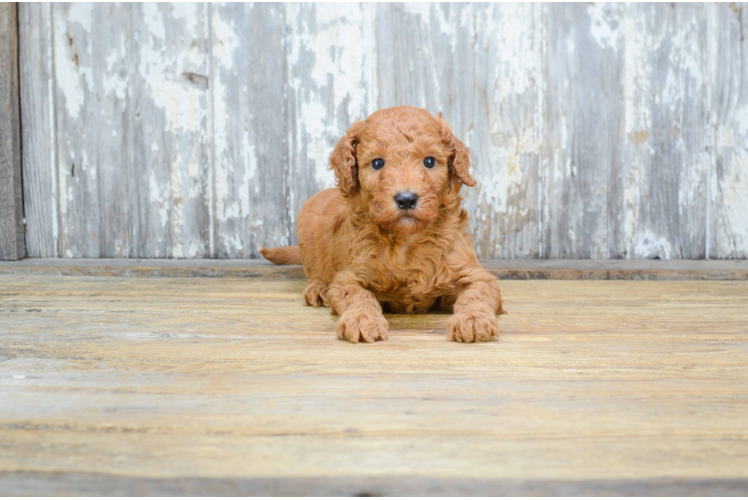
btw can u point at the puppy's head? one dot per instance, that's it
(401, 166)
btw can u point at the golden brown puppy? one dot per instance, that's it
(392, 233)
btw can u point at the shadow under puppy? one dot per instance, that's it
(393, 234)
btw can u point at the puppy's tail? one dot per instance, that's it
(282, 255)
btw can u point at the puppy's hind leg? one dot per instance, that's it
(315, 294)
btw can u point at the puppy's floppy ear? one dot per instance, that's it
(459, 159)
(343, 160)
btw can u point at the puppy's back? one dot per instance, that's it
(318, 221)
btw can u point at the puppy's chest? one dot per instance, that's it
(411, 283)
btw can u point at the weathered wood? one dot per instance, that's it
(331, 82)
(629, 141)
(50, 483)
(480, 65)
(667, 137)
(520, 269)
(593, 386)
(132, 130)
(12, 237)
(584, 111)
(39, 133)
(728, 29)
(173, 268)
(172, 146)
(596, 131)
(112, 125)
(80, 135)
(250, 139)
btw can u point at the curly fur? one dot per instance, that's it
(361, 253)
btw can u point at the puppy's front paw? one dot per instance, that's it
(472, 325)
(314, 294)
(362, 325)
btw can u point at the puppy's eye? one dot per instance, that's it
(429, 162)
(377, 164)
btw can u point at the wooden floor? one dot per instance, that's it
(142, 385)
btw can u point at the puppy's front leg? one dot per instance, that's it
(360, 312)
(475, 310)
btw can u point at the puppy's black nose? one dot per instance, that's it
(406, 200)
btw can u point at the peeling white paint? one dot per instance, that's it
(726, 138)
(154, 21)
(226, 41)
(490, 61)
(505, 160)
(636, 74)
(733, 205)
(250, 171)
(232, 211)
(516, 72)
(157, 198)
(51, 130)
(162, 71)
(650, 245)
(176, 210)
(421, 9)
(637, 117)
(178, 251)
(224, 46)
(337, 51)
(507, 178)
(604, 26)
(67, 75)
(114, 82)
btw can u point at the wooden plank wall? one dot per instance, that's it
(12, 240)
(190, 130)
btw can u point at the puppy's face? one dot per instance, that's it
(398, 165)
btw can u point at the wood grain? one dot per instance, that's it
(729, 108)
(331, 81)
(172, 161)
(129, 383)
(481, 65)
(81, 139)
(12, 238)
(39, 152)
(131, 115)
(41, 483)
(584, 114)
(596, 131)
(249, 129)
(666, 133)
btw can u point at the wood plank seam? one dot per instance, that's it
(55, 148)
(507, 269)
(39, 152)
(211, 138)
(12, 224)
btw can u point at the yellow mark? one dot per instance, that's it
(511, 165)
(638, 137)
(177, 200)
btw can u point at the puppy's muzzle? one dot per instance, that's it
(406, 200)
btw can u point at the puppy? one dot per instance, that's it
(392, 235)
